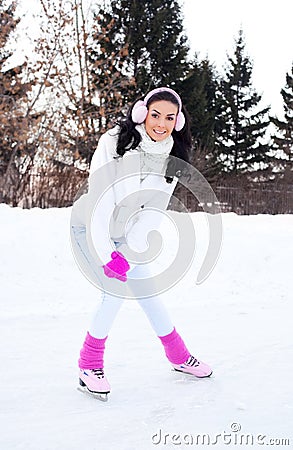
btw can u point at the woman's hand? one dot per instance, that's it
(117, 267)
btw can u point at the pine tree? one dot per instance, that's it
(242, 124)
(199, 92)
(165, 43)
(147, 41)
(283, 141)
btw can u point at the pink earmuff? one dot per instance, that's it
(140, 110)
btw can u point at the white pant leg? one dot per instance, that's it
(110, 304)
(104, 317)
(153, 307)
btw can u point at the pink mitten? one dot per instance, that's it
(117, 267)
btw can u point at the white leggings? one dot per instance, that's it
(153, 307)
(109, 306)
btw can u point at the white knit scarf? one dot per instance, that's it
(153, 154)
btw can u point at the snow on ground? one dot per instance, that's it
(239, 320)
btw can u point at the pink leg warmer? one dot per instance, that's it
(175, 348)
(92, 353)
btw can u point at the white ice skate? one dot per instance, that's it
(94, 383)
(194, 367)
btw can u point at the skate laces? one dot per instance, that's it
(192, 361)
(98, 372)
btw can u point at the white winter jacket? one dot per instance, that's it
(126, 194)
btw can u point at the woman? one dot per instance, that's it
(133, 159)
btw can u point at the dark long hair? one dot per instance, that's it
(129, 138)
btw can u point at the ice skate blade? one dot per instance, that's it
(103, 397)
(191, 374)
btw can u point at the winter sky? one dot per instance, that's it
(213, 25)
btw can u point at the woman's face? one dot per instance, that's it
(161, 119)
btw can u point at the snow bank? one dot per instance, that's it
(239, 320)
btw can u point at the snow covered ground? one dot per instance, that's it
(239, 320)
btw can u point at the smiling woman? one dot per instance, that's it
(160, 121)
(110, 226)
(161, 115)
